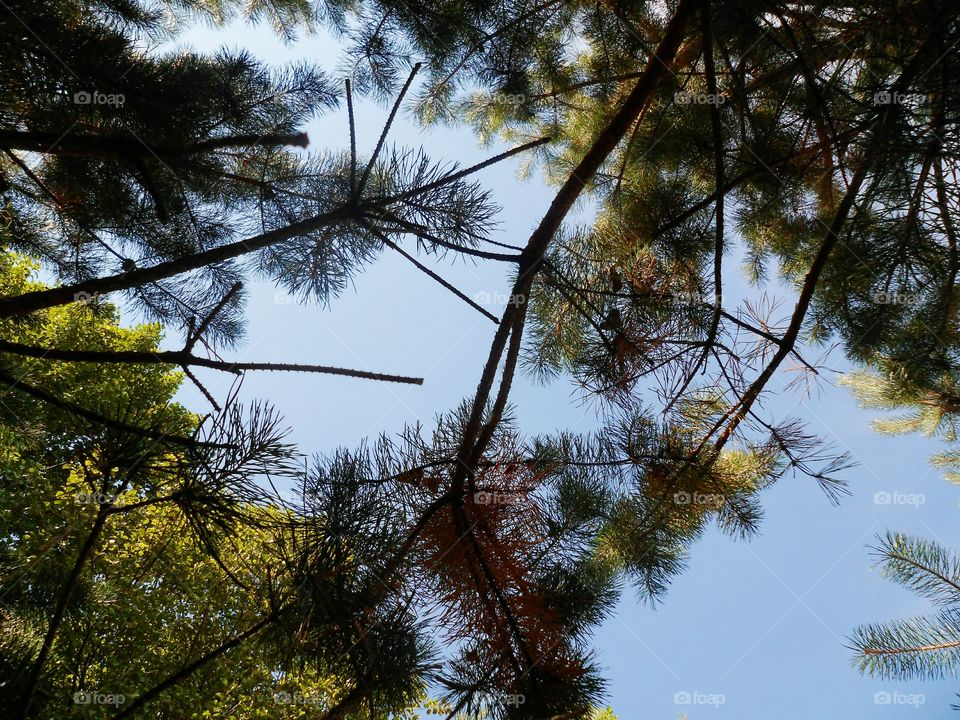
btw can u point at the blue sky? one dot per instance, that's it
(752, 629)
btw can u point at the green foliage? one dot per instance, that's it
(823, 136)
(121, 136)
(930, 409)
(137, 394)
(189, 554)
(633, 490)
(923, 647)
(786, 108)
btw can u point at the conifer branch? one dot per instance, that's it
(460, 174)
(40, 299)
(422, 232)
(37, 300)
(657, 67)
(183, 357)
(734, 416)
(932, 647)
(431, 274)
(719, 182)
(386, 130)
(56, 143)
(353, 138)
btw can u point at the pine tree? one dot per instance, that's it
(825, 137)
(926, 647)
(124, 158)
(824, 134)
(153, 173)
(128, 171)
(930, 408)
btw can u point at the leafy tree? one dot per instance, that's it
(130, 563)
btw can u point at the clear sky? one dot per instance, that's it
(752, 629)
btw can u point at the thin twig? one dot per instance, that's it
(430, 273)
(383, 135)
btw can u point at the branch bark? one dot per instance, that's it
(474, 436)
(104, 146)
(184, 358)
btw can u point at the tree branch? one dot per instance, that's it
(57, 143)
(182, 357)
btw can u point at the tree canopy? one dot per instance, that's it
(819, 140)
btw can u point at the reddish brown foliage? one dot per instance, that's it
(481, 554)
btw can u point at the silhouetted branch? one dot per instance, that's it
(430, 273)
(181, 357)
(386, 130)
(57, 143)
